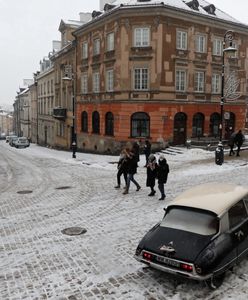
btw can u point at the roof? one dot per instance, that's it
(181, 4)
(214, 197)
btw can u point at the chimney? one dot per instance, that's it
(103, 2)
(84, 17)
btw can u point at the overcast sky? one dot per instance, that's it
(28, 28)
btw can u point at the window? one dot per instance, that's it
(182, 40)
(96, 47)
(180, 80)
(237, 214)
(141, 79)
(84, 121)
(142, 37)
(140, 125)
(96, 82)
(199, 81)
(200, 43)
(198, 125)
(109, 124)
(198, 222)
(216, 83)
(110, 41)
(84, 83)
(96, 122)
(85, 50)
(217, 47)
(109, 80)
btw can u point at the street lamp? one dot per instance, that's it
(69, 77)
(230, 51)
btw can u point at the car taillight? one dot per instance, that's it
(186, 267)
(147, 256)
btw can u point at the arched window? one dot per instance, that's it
(109, 123)
(84, 121)
(198, 125)
(214, 124)
(140, 125)
(96, 122)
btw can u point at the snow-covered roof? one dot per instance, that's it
(214, 197)
(181, 4)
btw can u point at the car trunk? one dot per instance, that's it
(187, 245)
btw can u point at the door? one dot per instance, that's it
(180, 132)
(238, 222)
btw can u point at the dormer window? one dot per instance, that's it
(210, 9)
(194, 4)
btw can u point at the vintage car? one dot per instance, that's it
(204, 232)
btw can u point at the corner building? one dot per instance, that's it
(152, 70)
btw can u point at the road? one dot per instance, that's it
(42, 194)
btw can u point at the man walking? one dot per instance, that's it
(238, 140)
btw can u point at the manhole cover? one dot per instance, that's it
(63, 187)
(24, 192)
(74, 231)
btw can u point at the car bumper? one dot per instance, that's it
(167, 269)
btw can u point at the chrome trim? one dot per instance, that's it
(193, 275)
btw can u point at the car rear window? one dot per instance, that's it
(196, 221)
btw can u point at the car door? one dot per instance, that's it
(238, 224)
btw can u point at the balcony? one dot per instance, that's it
(59, 113)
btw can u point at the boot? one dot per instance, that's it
(138, 188)
(125, 192)
(117, 186)
(152, 193)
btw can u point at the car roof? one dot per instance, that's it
(214, 197)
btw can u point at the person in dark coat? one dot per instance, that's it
(147, 150)
(231, 143)
(238, 140)
(162, 175)
(151, 173)
(121, 169)
(131, 165)
(136, 151)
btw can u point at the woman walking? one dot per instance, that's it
(162, 175)
(131, 165)
(121, 169)
(151, 173)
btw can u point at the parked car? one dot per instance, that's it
(12, 139)
(21, 142)
(203, 233)
(8, 137)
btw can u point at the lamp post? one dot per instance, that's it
(229, 50)
(69, 77)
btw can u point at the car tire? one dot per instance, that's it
(216, 281)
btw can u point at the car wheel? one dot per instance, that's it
(215, 281)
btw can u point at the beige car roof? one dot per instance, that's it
(214, 197)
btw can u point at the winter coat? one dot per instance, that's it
(131, 164)
(151, 172)
(147, 148)
(136, 151)
(239, 139)
(231, 140)
(162, 171)
(122, 163)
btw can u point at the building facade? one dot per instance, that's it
(153, 71)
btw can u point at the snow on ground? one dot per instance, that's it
(38, 262)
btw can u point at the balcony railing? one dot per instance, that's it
(59, 113)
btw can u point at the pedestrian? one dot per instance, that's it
(131, 165)
(122, 170)
(147, 150)
(238, 140)
(151, 173)
(136, 151)
(231, 143)
(162, 175)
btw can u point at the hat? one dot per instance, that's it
(161, 157)
(151, 157)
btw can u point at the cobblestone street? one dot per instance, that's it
(42, 195)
